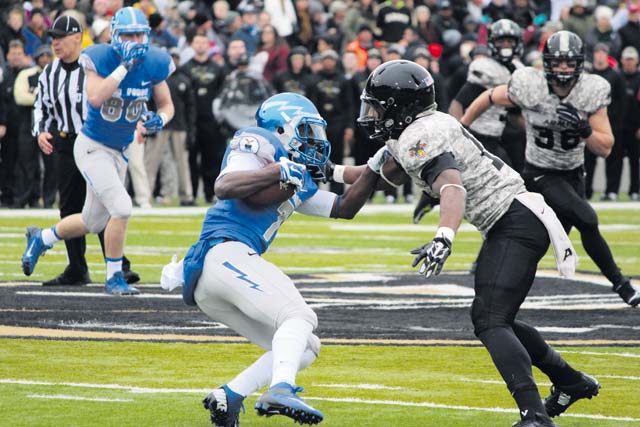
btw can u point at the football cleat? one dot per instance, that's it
(35, 249)
(224, 405)
(628, 293)
(117, 285)
(562, 397)
(281, 399)
(539, 421)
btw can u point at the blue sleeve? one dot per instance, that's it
(104, 59)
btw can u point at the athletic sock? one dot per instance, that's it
(113, 266)
(49, 236)
(289, 343)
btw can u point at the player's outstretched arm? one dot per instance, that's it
(239, 185)
(601, 139)
(497, 95)
(350, 203)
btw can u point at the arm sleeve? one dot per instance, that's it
(320, 204)
(42, 108)
(468, 93)
(238, 161)
(435, 166)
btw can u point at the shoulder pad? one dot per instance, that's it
(528, 87)
(591, 93)
(488, 73)
(257, 141)
(159, 64)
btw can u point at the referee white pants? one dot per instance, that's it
(249, 294)
(104, 169)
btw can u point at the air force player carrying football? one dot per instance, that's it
(267, 173)
(121, 78)
(445, 160)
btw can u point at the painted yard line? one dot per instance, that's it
(619, 377)
(328, 399)
(360, 386)
(458, 407)
(44, 333)
(596, 353)
(67, 397)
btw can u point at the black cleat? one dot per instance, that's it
(539, 421)
(130, 276)
(66, 279)
(224, 405)
(629, 293)
(562, 397)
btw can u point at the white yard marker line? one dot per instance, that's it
(67, 397)
(361, 386)
(596, 353)
(134, 389)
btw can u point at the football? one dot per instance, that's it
(271, 195)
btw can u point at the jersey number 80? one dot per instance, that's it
(112, 109)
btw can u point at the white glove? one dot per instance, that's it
(291, 172)
(375, 163)
(172, 277)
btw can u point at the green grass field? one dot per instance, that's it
(161, 384)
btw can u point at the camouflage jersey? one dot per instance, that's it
(488, 73)
(491, 185)
(550, 145)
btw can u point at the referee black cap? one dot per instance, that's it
(64, 26)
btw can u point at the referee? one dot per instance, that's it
(58, 114)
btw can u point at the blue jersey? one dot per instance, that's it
(114, 122)
(234, 219)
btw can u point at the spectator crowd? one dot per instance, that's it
(232, 55)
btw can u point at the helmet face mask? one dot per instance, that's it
(563, 46)
(395, 93)
(129, 21)
(298, 125)
(504, 29)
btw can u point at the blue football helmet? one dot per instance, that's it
(129, 20)
(298, 125)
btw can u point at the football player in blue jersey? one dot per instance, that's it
(267, 173)
(121, 77)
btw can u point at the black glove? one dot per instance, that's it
(434, 253)
(424, 206)
(322, 173)
(571, 117)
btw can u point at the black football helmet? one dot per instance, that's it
(395, 93)
(501, 29)
(563, 46)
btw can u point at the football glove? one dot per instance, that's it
(322, 173)
(434, 254)
(132, 52)
(152, 122)
(291, 172)
(375, 163)
(571, 118)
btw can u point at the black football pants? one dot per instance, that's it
(565, 193)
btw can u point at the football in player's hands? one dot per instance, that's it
(275, 193)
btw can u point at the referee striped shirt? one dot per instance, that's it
(60, 103)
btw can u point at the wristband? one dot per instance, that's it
(164, 118)
(338, 174)
(119, 73)
(446, 232)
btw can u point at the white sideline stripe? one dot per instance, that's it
(619, 377)
(360, 386)
(326, 399)
(200, 211)
(596, 353)
(67, 397)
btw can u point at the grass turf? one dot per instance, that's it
(434, 377)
